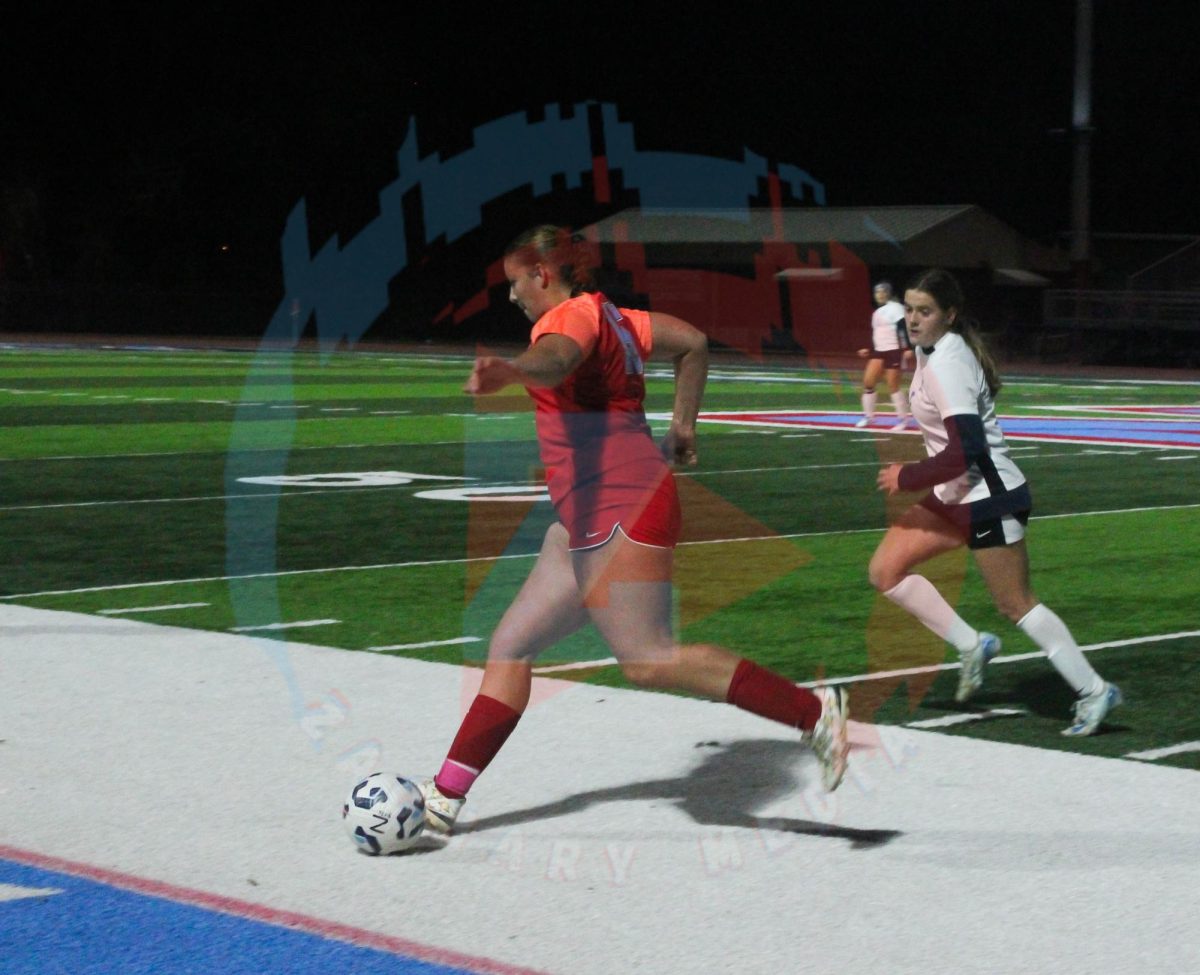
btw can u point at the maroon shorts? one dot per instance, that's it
(892, 358)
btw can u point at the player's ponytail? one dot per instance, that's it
(946, 291)
(968, 328)
(568, 253)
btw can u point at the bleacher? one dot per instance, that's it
(1153, 320)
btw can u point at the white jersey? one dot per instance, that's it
(884, 322)
(949, 381)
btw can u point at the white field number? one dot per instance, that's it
(361, 479)
(347, 479)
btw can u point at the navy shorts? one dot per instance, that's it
(990, 522)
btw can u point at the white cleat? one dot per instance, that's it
(864, 422)
(902, 424)
(440, 811)
(970, 678)
(829, 739)
(1091, 710)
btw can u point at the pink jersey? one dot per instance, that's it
(603, 467)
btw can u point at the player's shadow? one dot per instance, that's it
(725, 788)
(1044, 694)
(1049, 697)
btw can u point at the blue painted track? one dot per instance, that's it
(96, 929)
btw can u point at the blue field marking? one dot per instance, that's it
(1107, 431)
(91, 928)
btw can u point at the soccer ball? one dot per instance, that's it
(384, 813)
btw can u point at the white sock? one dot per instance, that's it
(919, 596)
(868, 401)
(900, 402)
(1050, 633)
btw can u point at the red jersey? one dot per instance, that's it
(603, 467)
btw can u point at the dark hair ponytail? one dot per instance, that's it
(568, 253)
(946, 291)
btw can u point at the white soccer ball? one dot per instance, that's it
(384, 813)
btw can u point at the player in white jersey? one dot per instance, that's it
(979, 497)
(889, 348)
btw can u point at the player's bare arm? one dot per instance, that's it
(687, 347)
(546, 363)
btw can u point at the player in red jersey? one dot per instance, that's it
(608, 559)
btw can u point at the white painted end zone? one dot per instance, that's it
(618, 829)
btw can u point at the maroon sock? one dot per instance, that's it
(770, 695)
(482, 734)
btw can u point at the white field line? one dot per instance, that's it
(521, 555)
(1122, 511)
(297, 624)
(255, 496)
(831, 467)
(428, 643)
(150, 609)
(1125, 410)
(1179, 457)
(952, 719)
(451, 443)
(907, 672)
(653, 417)
(578, 665)
(238, 450)
(1154, 754)
(1008, 659)
(377, 487)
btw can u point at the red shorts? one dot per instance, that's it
(647, 513)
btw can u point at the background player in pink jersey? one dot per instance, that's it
(978, 497)
(888, 351)
(608, 559)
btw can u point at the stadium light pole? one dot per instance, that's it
(1081, 127)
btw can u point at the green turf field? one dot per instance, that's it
(124, 492)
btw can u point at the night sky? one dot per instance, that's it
(175, 141)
